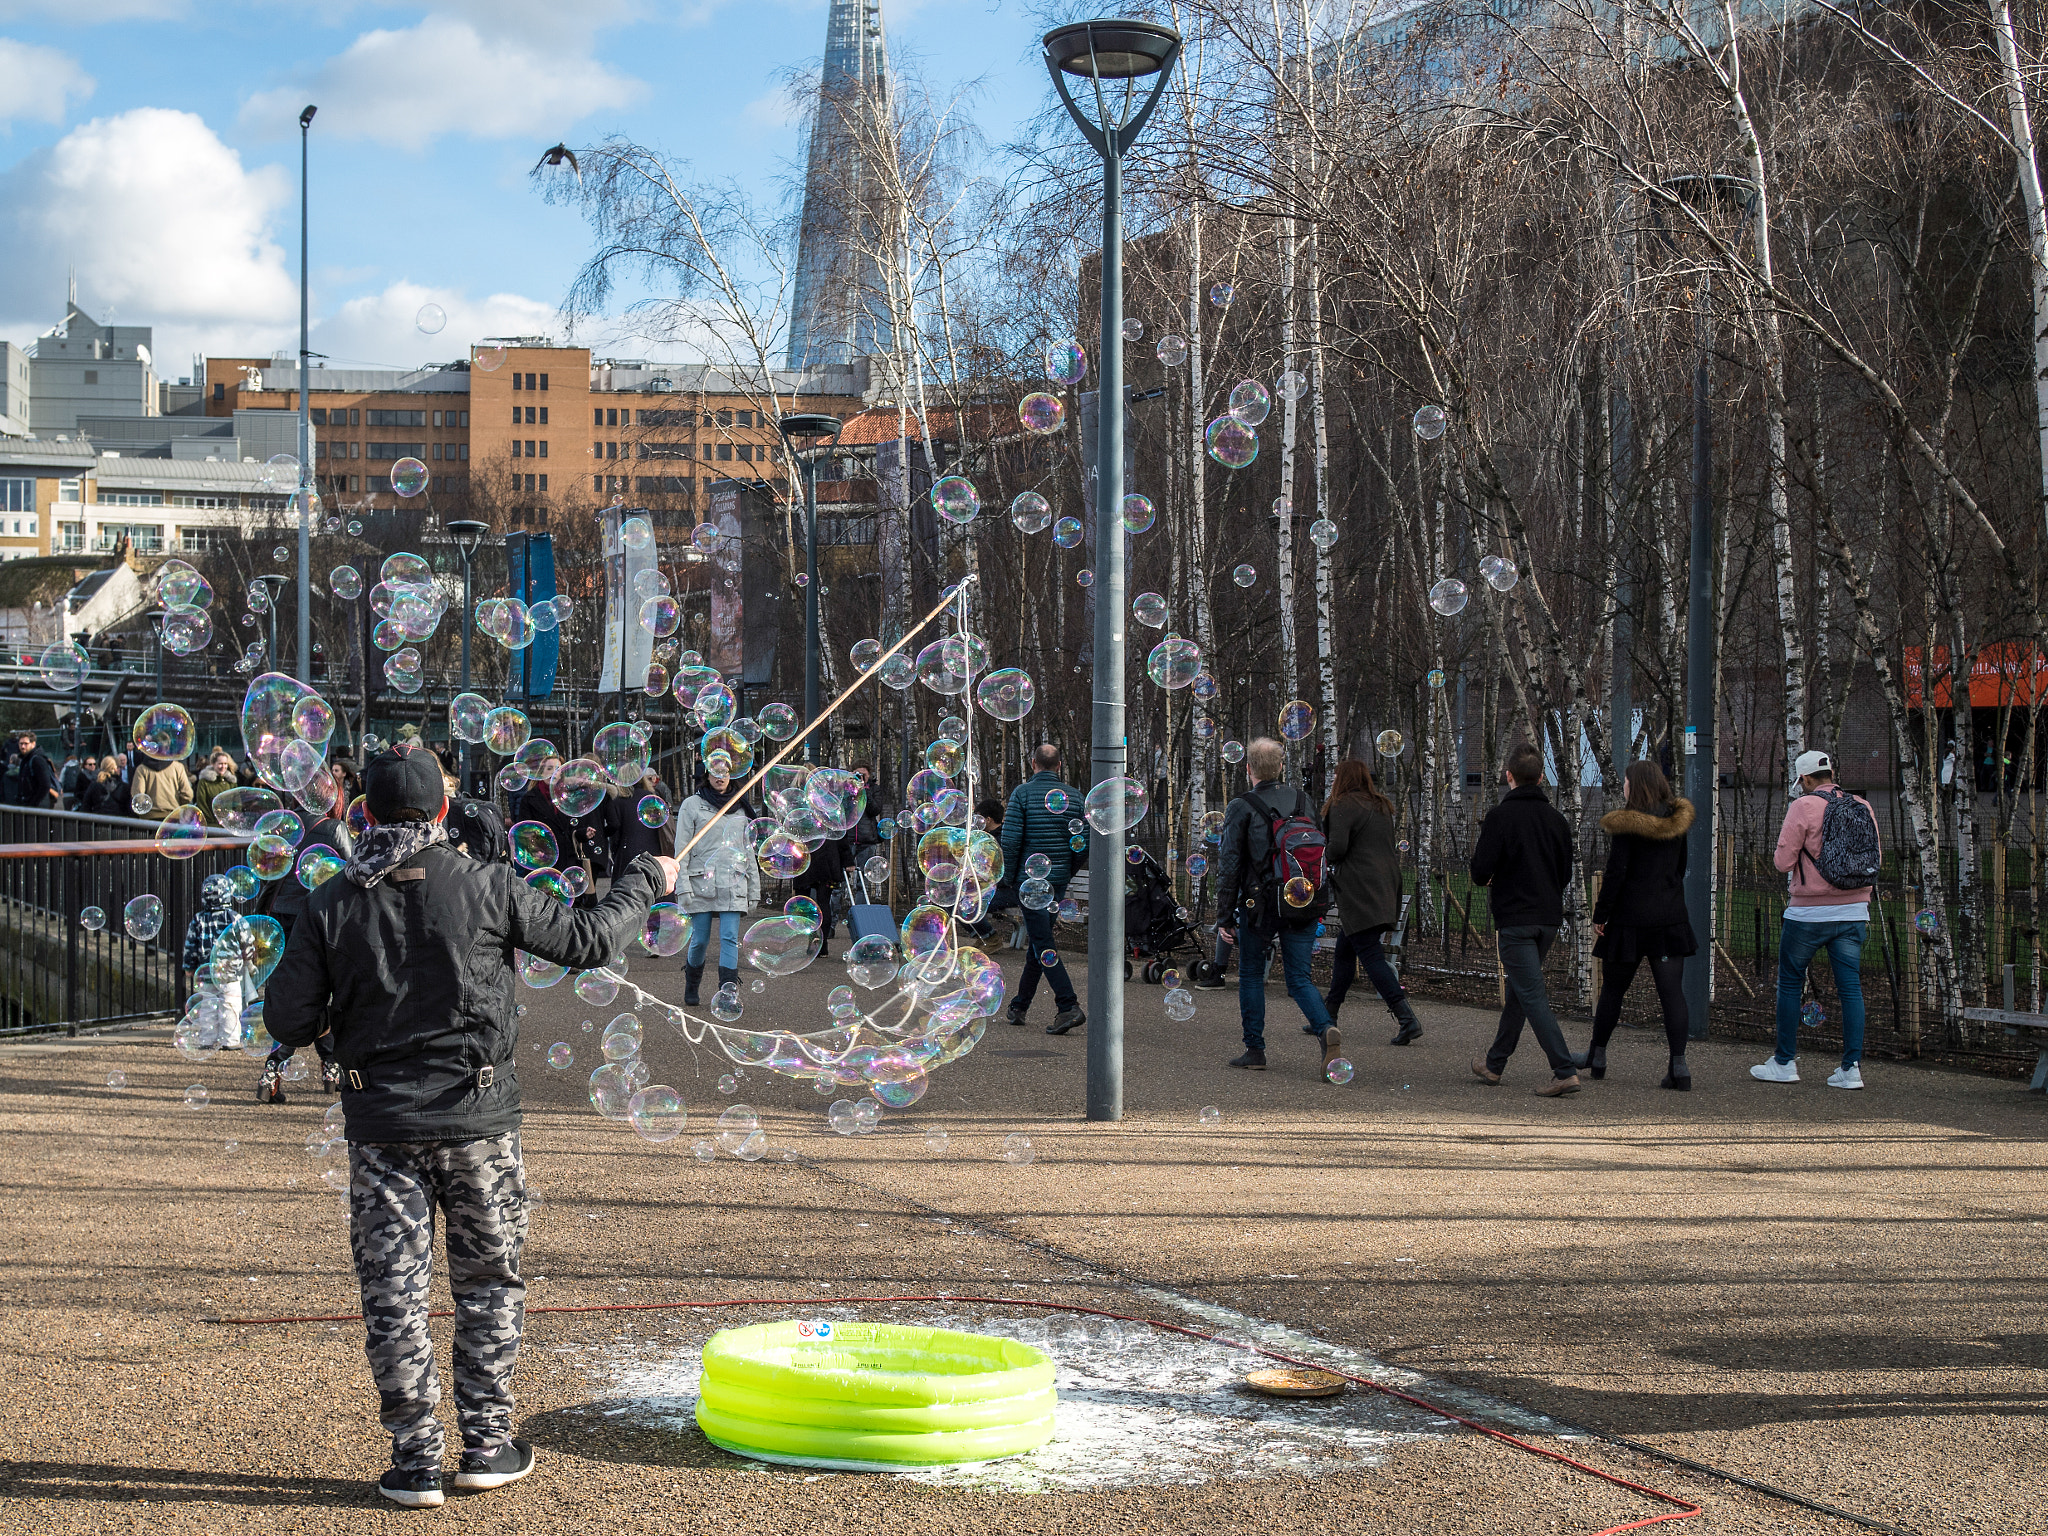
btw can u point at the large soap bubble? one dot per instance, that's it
(1250, 402)
(1172, 350)
(1149, 609)
(1040, 413)
(1031, 512)
(64, 668)
(1430, 422)
(165, 731)
(1066, 362)
(143, 917)
(1138, 513)
(181, 586)
(506, 730)
(1449, 596)
(1007, 694)
(1067, 532)
(1499, 572)
(780, 946)
(955, 499)
(1175, 662)
(1297, 720)
(620, 753)
(1116, 805)
(408, 477)
(280, 754)
(1231, 443)
(580, 787)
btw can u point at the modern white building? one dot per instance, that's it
(81, 367)
(68, 496)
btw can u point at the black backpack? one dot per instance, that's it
(1848, 858)
(1295, 849)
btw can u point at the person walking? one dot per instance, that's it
(536, 802)
(215, 780)
(408, 956)
(1365, 874)
(1031, 827)
(1640, 918)
(721, 879)
(105, 794)
(1828, 849)
(626, 835)
(159, 788)
(36, 788)
(1255, 912)
(1523, 858)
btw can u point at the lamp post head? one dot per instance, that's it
(468, 534)
(306, 117)
(808, 424)
(1106, 49)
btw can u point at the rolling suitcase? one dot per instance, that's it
(866, 919)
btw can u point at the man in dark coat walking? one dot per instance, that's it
(407, 956)
(1035, 822)
(1523, 858)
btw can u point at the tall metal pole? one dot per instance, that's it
(305, 496)
(810, 601)
(1107, 747)
(1699, 683)
(468, 623)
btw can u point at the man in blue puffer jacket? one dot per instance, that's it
(1035, 821)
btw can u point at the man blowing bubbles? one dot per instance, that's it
(409, 959)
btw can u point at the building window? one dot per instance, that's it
(92, 375)
(386, 452)
(529, 448)
(746, 418)
(437, 418)
(725, 418)
(398, 418)
(214, 502)
(543, 411)
(543, 447)
(746, 453)
(320, 416)
(437, 450)
(17, 495)
(515, 381)
(724, 452)
(71, 535)
(543, 484)
(355, 450)
(543, 381)
(70, 490)
(517, 420)
(132, 499)
(597, 482)
(355, 419)
(355, 483)
(465, 422)
(193, 541)
(597, 416)
(611, 417)
(529, 484)
(465, 446)
(672, 484)
(220, 392)
(515, 447)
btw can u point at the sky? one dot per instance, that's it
(153, 145)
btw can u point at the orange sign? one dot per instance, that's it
(2012, 673)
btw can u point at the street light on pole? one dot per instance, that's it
(1125, 64)
(305, 496)
(1739, 194)
(469, 538)
(818, 425)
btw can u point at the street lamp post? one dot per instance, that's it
(305, 497)
(1126, 64)
(1739, 194)
(469, 538)
(812, 426)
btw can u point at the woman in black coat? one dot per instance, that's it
(1640, 915)
(626, 835)
(1365, 873)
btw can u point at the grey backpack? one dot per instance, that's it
(1848, 858)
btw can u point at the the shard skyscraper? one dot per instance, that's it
(839, 310)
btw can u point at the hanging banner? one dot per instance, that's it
(530, 572)
(628, 648)
(728, 648)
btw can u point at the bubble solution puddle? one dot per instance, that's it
(1137, 1406)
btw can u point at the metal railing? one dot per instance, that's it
(57, 975)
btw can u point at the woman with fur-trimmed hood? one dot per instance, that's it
(1640, 916)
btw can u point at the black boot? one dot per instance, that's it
(728, 979)
(1411, 1026)
(1594, 1060)
(1679, 1077)
(692, 974)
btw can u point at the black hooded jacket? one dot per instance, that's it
(414, 975)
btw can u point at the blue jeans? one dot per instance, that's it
(1798, 943)
(1038, 930)
(728, 938)
(1296, 945)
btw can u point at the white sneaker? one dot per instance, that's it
(1776, 1071)
(1846, 1077)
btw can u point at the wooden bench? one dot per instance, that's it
(2017, 1023)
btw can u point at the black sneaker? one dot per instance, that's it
(494, 1469)
(1014, 1015)
(1068, 1018)
(270, 1087)
(414, 1487)
(1209, 980)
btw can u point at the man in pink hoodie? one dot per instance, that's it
(1820, 916)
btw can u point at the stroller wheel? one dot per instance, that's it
(1127, 970)
(1154, 969)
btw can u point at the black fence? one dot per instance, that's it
(57, 974)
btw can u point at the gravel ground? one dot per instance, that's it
(1838, 1294)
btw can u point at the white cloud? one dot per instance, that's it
(779, 108)
(162, 222)
(382, 329)
(37, 84)
(410, 86)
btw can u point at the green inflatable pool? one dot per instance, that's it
(872, 1396)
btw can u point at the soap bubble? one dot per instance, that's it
(182, 835)
(656, 1114)
(1084, 577)
(660, 616)
(778, 721)
(780, 946)
(1323, 534)
(936, 1140)
(533, 845)
(1499, 572)
(408, 477)
(181, 586)
(506, 730)
(611, 1090)
(1031, 512)
(431, 319)
(281, 823)
(1435, 677)
(1066, 362)
(1927, 921)
(736, 1122)
(270, 857)
(871, 961)
(280, 472)
(1251, 403)
(1231, 443)
(782, 856)
(186, 630)
(1172, 350)
(1339, 1070)
(560, 1056)
(1149, 609)
(1138, 513)
(1449, 596)
(318, 865)
(1040, 413)
(196, 1096)
(1244, 575)
(1389, 743)
(1297, 720)
(1220, 294)
(840, 1117)
(1116, 804)
(636, 533)
(467, 713)
(652, 811)
(955, 499)
(1017, 1149)
(1291, 385)
(166, 731)
(117, 1079)
(1007, 693)
(92, 919)
(1066, 533)
(64, 667)
(1298, 891)
(239, 809)
(143, 917)
(1430, 422)
(1211, 1115)
(1174, 662)
(1133, 330)
(1812, 1015)
(488, 358)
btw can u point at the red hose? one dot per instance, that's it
(1682, 1510)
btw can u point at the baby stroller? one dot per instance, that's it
(1153, 926)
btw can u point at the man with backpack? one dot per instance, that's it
(1270, 889)
(1829, 852)
(1524, 858)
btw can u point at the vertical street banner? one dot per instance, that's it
(727, 651)
(530, 569)
(628, 648)
(761, 586)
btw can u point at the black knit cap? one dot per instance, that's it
(403, 786)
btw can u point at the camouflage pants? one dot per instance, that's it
(394, 1190)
